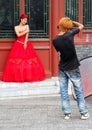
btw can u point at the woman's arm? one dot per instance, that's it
(16, 28)
(26, 38)
(78, 25)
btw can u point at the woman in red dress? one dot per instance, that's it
(23, 64)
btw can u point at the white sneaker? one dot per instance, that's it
(85, 116)
(67, 116)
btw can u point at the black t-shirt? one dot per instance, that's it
(65, 45)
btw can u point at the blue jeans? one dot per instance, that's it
(74, 76)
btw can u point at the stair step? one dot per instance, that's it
(12, 89)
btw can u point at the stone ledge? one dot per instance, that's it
(42, 88)
(12, 89)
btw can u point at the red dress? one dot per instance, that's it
(23, 65)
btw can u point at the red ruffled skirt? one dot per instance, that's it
(23, 65)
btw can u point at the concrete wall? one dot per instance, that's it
(83, 51)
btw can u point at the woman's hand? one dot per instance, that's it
(25, 46)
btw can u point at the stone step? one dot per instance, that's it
(48, 87)
(12, 89)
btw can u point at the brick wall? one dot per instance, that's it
(83, 51)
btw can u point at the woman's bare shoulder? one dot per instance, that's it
(27, 26)
(16, 27)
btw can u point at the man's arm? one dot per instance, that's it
(79, 25)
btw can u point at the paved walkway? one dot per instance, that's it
(41, 113)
